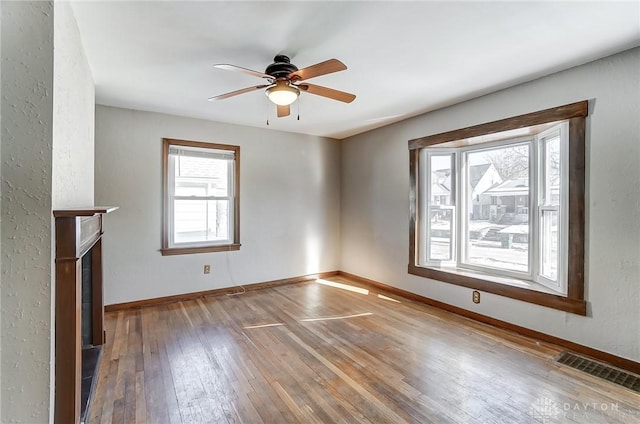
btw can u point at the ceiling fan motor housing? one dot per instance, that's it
(281, 67)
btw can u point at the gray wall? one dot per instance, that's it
(375, 185)
(289, 206)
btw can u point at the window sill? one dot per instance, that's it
(508, 281)
(200, 249)
(508, 287)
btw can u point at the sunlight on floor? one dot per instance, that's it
(343, 286)
(383, 297)
(263, 325)
(364, 314)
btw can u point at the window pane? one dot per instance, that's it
(440, 233)
(201, 220)
(198, 176)
(549, 244)
(441, 212)
(497, 219)
(551, 163)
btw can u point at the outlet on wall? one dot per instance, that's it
(475, 296)
(207, 269)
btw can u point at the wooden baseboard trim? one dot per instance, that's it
(215, 292)
(614, 360)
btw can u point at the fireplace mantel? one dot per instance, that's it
(78, 232)
(73, 212)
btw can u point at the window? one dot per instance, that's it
(500, 207)
(201, 197)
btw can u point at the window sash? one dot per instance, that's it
(425, 249)
(463, 201)
(205, 229)
(545, 204)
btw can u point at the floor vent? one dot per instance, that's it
(597, 369)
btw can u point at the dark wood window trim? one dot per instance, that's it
(575, 114)
(168, 251)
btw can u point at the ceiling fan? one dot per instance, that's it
(285, 82)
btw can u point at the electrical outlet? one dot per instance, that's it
(207, 269)
(476, 296)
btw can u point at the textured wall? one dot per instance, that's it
(375, 186)
(1, 133)
(27, 110)
(289, 205)
(73, 108)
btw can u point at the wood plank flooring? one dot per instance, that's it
(335, 352)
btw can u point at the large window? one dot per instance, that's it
(201, 207)
(500, 207)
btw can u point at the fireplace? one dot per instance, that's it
(90, 350)
(79, 310)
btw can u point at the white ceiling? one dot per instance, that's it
(404, 58)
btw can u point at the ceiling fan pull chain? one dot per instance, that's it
(266, 111)
(299, 101)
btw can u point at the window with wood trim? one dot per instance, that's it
(201, 197)
(499, 207)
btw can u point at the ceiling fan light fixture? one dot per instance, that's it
(282, 94)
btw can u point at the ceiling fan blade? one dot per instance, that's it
(235, 68)
(319, 90)
(235, 93)
(322, 68)
(283, 111)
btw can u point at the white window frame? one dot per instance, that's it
(459, 228)
(423, 250)
(561, 130)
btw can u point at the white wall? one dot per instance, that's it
(27, 121)
(289, 206)
(47, 151)
(375, 185)
(73, 108)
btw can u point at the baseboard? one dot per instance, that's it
(617, 361)
(216, 292)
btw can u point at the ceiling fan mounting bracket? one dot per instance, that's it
(281, 58)
(281, 67)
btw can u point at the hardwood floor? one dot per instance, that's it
(333, 352)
